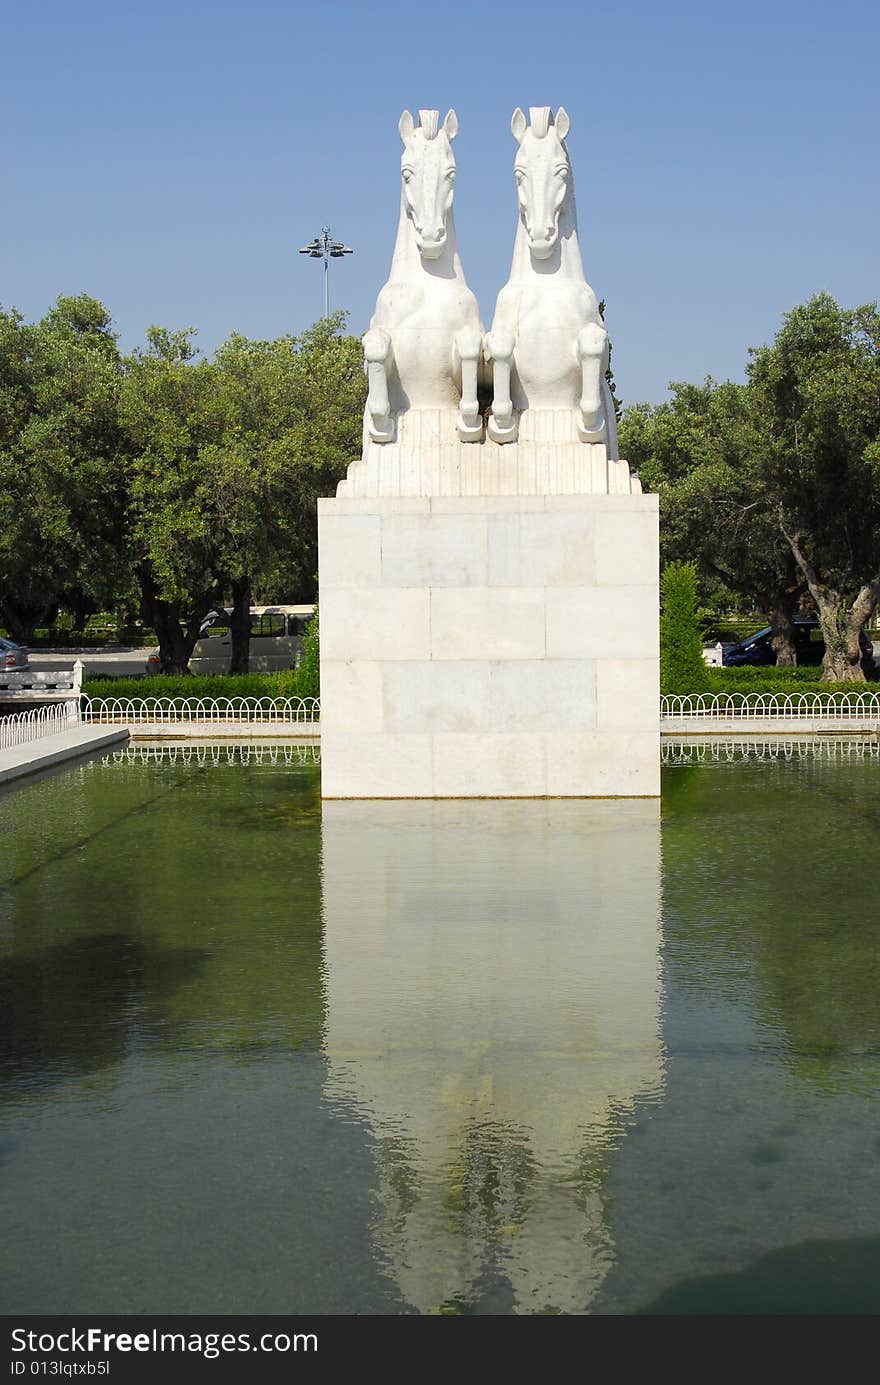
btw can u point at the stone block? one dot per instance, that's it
(375, 623)
(601, 622)
(431, 696)
(545, 548)
(348, 684)
(542, 694)
(435, 550)
(628, 693)
(625, 547)
(358, 765)
(489, 622)
(378, 505)
(351, 550)
(597, 764)
(487, 504)
(489, 765)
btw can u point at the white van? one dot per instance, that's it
(276, 639)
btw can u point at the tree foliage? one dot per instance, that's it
(816, 399)
(701, 452)
(162, 477)
(773, 487)
(682, 667)
(61, 463)
(228, 459)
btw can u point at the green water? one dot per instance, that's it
(474, 1057)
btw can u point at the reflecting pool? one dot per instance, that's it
(476, 1057)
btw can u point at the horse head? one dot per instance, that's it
(427, 170)
(542, 170)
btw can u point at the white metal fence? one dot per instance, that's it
(706, 749)
(39, 722)
(770, 707)
(138, 711)
(833, 708)
(286, 756)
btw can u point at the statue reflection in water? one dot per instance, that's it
(493, 1012)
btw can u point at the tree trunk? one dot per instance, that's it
(841, 624)
(780, 614)
(80, 607)
(22, 618)
(240, 625)
(173, 651)
(842, 662)
(176, 639)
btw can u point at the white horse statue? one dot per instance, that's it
(547, 345)
(425, 341)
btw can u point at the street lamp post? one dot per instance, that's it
(323, 248)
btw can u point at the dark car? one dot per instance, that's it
(12, 656)
(808, 643)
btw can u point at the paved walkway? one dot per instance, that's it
(224, 730)
(768, 726)
(54, 750)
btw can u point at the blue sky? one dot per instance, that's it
(171, 158)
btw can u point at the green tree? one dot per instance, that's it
(701, 451)
(292, 417)
(61, 463)
(228, 460)
(816, 403)
(682, 667)
(309, 671)
(168, 407)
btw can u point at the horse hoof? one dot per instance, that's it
(504, 431)
(594, 433)
(381, 428)
(470, 429)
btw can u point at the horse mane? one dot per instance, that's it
(430, 123)
(539, 119)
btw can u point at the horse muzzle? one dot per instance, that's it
(431, 247)
(542, 247)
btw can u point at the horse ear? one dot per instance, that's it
(450, 125)
(518, 125)
(562, 122)
(405, 125)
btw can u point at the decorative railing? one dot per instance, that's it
(707, 750)
(808, 706)
(134, 711)
(832, 708)
(39, 722)
(233, 753)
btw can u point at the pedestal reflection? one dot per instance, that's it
(492, 984)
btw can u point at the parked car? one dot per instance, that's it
(809, 646)
(12, 655)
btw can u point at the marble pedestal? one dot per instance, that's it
(489, 646)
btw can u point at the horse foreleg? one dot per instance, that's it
(377, 354)
(503, 425)
(466, 347)
(592, 352)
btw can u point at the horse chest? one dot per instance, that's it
(545, 354)
(422, 322)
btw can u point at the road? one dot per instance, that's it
(121, 663)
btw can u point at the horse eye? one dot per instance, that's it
(562, 171)
(408, 175)
(451, 175)
(518, 174)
